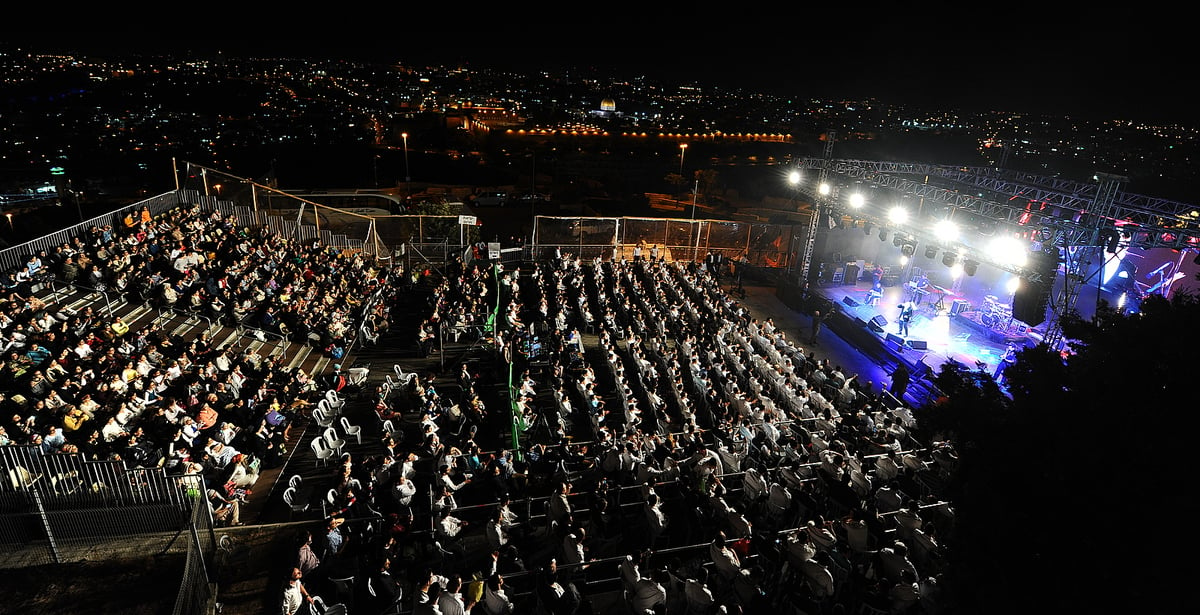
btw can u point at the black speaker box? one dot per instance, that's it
(895, 339)
(880, 321)
(918, 344)
(848, 300)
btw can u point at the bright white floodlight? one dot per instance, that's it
(794, 178)
(1009, 251)
(898, 215)
(946, 230)
(857, 200)
(824, 189)
(1013, 284)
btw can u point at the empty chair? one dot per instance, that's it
(369, 337)
(352, 430)
(403, 377)
(334, 442)
(336, 400)
(322, 450)
(323, 417)
(344, 588)
(295, 482)
(319, 606)
(289, 498)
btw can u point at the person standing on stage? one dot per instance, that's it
(1010, 357)
(906, 315)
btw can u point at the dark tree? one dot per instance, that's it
(1073, 496)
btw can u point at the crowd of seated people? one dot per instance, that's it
(80, 382)
(793, 481)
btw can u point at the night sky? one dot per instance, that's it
(975, 57)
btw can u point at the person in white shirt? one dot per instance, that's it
(495, 598)
(294, 594)
(450, 600)
(650, 593)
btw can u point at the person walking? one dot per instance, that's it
(818, 320)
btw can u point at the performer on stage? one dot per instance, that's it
(1010, 357)
(875, 294)
(920, 288)
(906, 315)
(877, 277)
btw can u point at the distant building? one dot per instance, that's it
(608, 109)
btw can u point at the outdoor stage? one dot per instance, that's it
(974, 331)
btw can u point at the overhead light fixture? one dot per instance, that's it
(867, 227)
(908, 249)
(883, 235)
(949, 258)
(897, 240)
(970, 266)
(931, 252)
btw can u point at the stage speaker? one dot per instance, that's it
(879, 321)
(918, 344)
(1033, 298)
(959, 306)
(848, 300)
(895, 339)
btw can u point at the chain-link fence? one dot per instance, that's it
(761, 244)
(373, 230)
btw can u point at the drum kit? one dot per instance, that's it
(994, 314)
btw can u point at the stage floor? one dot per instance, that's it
(934, 336)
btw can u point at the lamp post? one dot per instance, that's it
(682, 151)
(407, 176)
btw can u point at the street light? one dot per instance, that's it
(682, 151)
(407, 176)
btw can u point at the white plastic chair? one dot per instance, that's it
(334, 401)
(289, 497)
(322, 450)
(323, 416)
(352, 430)
(332, 440)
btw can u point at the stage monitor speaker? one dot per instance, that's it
(918, 344)
(895, 339)
(959, 306)
(848, 300)
(880, 321)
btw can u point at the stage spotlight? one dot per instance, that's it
(970, 266)
(883, 237)
(946, 230)
(1009, 251)
(956, 271)
(857, 200)
(1012, 285)
(908, 249)
(897, 240)
(931, 252)
(866, 227)
(949, 258)
(898, 215)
